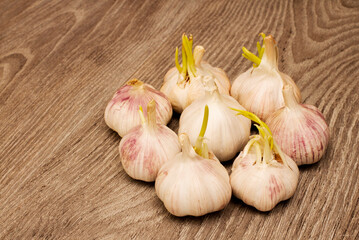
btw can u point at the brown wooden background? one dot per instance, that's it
(60, 63)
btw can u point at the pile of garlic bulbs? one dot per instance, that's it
(214, 127)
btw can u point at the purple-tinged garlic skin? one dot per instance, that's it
(121, 113)
(259, 90)
(145, 149)
(300, 130)
(143, 152)
(263, 185)
(192, 185)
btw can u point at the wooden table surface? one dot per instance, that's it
(61, 62)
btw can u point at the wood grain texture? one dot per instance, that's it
(60, 63)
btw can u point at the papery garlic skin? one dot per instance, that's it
(121, 112)
(183, 94)
(259, 89)
(204, 69)
(147, 147)
(262, 175)
(263, 185)
(226, 132)
(176, 92)
(183, 89)
(300, 130)
(192, 185)
(143, 152)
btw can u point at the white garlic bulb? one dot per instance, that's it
(121, 112)
(259, 89)
(190, 184)
(147, 147)
(262, 175)
(227, 133)
(183, 84)
(299, 129)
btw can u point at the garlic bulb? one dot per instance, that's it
(190, 184)
(121, 112)
(226, 133)
(262, 175)
(259, 89)
(183, 84)
(148, 146)
(300, 129)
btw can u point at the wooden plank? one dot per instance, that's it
(61, 61)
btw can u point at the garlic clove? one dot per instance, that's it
(259, 89)
(121, 112)
(262, 175)
(192, 185)
(226, 133)
(183, 83)
(147, 147)
(300, 129)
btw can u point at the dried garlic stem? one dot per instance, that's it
(289, 98)
(151, 113)
(198, 53)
